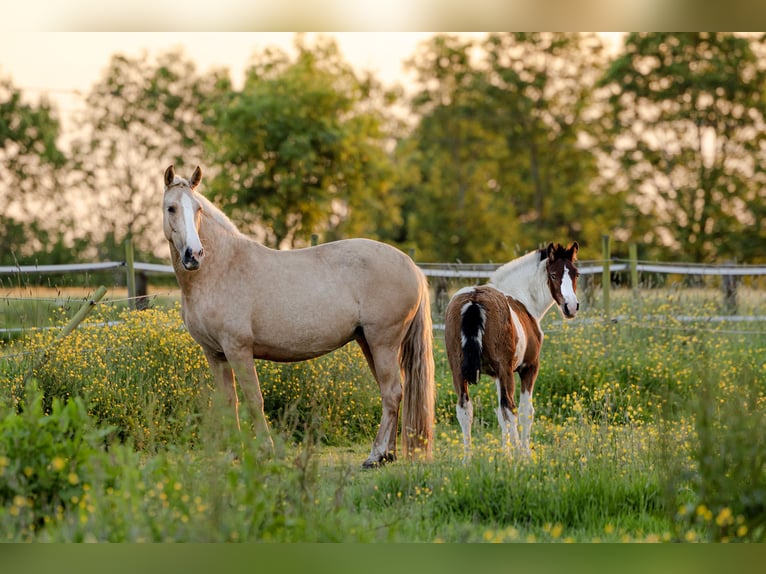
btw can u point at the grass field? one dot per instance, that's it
(646, 429)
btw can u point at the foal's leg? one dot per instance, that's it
(528, 375)
(506, 410)
(388, 374)
(464, 410)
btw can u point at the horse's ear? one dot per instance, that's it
(196, 177)
(551, 251)
(170, 175)
(572, 251)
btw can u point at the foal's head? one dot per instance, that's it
(181, 217)
(562, 277)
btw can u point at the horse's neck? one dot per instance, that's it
(525, 279)
(219, 238)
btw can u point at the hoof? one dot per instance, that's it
(377, 462)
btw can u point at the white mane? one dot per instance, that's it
(525, 279)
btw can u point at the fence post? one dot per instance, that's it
(633, 257)
(606, 276)
(314, 239)
(131, 273)
(729, 284)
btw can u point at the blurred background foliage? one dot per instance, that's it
(503, 142)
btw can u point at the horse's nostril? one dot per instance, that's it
(188, 253)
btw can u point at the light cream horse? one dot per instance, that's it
(242, 300)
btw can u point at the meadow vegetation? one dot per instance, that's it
(646, 429)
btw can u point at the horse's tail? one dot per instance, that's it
(417, 362)
(471, 335)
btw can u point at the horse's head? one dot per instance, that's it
(562, 277)
(181, 217)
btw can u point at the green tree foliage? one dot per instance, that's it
(687, 134)
(301, 149)
(30, 173)
(499, 161)
(143, 115)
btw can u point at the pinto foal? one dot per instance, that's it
(495, 329)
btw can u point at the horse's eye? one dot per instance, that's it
(553, 276)
(171, 209)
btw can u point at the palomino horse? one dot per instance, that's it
(495, 329)
(242, 300)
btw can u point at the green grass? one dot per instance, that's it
(643, 431)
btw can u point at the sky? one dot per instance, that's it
(65, 65)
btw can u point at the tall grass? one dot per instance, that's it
(645, 430)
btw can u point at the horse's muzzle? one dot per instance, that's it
(569, 311)
(190, 261)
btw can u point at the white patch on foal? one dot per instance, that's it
(465, 418)
(508, 422)
(567, 291)
(521, 339)
(526, 416)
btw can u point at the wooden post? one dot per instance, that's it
(729, 285)
(633, 255)
(131, 273)
(606, 275)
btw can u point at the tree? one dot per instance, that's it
(687, 120)
(499, 162)
(143, 115)
(302, 149)
(30, 173)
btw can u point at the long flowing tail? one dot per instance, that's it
(417, 362)
(471, 335)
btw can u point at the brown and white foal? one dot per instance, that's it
(495, 329)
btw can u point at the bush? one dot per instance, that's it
(47, 461)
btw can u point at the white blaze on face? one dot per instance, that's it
(567, 291)
(192, 237)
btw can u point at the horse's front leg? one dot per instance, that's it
(528, 374)
(244, 368)
(224, 379)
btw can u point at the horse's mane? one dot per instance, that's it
(209, 209)
(516, 267)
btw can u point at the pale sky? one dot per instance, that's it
(59, 63)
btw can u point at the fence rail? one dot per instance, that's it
(446, 270)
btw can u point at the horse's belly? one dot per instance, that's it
(293, 340)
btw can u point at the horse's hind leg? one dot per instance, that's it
(506, 411)
(464, 406)
(528, 375)
(388, 375)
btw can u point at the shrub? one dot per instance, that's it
(47, 461)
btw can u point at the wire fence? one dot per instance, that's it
(696, 293)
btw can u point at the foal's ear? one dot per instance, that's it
(170, 175)
(551, 249)
(572, 251)
(195, 178)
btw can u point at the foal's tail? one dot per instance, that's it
(417, 362)
(471, 334)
